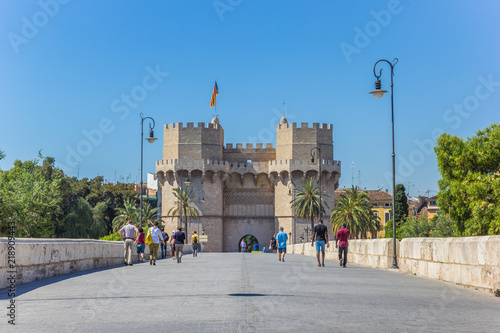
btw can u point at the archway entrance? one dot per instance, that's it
(250, 240)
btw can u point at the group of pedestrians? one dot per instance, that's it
(319, 239)
(131, 235)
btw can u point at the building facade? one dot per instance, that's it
(244, 190)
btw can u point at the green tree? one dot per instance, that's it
(2, 155)
(442, 225)
(149, 215)
(401, 202)
(355, 210)
(99, 220)
(78, 223)
(416, 227)
(28, 200)
(128, 211)
(185, 206)
(306, 204)
(469, 188)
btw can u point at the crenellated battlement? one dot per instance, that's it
(192, 125)
(322, 126)
(248, 146)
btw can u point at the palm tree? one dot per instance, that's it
(354, 209)
(185, 207)
(306, 203)
(149, 214)
(128, 211)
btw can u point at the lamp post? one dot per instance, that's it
(150, 139)
(319, 167)
(291, 192)
(187, 183)
(378, 92)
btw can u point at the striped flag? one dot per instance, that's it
(214, 95)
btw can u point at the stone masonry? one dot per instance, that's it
(244, 190)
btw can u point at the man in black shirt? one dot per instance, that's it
(180, 239)
(320, 235)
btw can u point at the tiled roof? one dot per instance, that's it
(374, 195)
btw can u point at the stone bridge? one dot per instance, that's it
(231, 292)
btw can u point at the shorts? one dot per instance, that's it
(320, 246)
(282, 250)
(140, 248)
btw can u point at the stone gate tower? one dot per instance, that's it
(244, 190)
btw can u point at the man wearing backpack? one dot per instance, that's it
(194, 244)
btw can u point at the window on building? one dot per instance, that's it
(387, 216)
(387, 204)
(375, 205)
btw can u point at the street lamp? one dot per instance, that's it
(150, 139)
(291, 192)
(319, 166)
(187, 183)
(378, 92)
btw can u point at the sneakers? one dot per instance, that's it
(340, 261)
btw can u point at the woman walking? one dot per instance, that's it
(141, 245)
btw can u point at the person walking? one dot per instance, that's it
(180, 239)
(194, 244)
(281, 239)
(141, 245)
(128, 234)
(243, 245)
(153, 247)
(172, 245)
(343, 236)
(163, 246)
(272, 243)
(320, 235)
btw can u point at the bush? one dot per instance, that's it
(115, 236)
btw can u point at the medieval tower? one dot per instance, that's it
(247, 190)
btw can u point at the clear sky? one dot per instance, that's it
(75, 75)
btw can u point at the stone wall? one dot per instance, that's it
(468, 261)
(41, 258)
(375, 253)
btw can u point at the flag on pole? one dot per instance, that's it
(214, 95)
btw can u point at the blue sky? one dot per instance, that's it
(66, 68)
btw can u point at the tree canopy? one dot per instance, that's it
(469, 188)
(185, 205)
(41, 201)
(306, 204)
(355, 210)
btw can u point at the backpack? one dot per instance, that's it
(195, 240)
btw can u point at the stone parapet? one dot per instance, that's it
(376, 253)
(37, 259)
(329, 166)
(468, 261)
(173, 165)
(278, 166)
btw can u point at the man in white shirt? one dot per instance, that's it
(153, 247)
(128, 233)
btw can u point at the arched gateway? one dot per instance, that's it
(250, 240)
(243, 190)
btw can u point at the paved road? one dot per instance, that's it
(234, 292)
